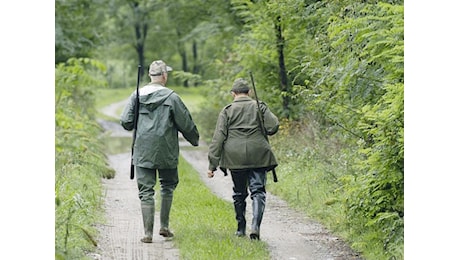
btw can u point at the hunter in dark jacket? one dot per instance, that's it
(239, 144)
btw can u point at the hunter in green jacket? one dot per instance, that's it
(162, 115)
(239, 144)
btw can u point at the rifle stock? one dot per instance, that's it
(261, 120)
(136, 117)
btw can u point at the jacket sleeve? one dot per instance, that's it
(218, 139)
(271, 122)
(127, 116)
(184, 122)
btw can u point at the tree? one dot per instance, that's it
(76, 30)
(195, 23)
(139, 18)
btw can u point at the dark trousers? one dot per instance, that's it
(254, 181)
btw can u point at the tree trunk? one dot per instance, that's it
(284, 85)
(140, 28)
(196, 66)
(183, 55)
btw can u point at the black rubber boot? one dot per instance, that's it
(240, 210)
(258, 207)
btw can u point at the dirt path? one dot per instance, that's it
(288, 233)
(120, 236)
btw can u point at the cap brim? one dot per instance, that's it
(168, 68)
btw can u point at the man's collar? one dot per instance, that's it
(242, 98)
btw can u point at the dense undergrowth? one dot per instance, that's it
(317, 176)
(79, 159)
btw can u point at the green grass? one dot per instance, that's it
(204, 224)
(192, 97)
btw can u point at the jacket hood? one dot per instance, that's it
(153, 95)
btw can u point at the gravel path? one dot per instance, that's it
(289, 234)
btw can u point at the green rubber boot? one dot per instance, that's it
(148, 215)
(166, 203)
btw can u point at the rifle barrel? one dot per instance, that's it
(261, 120)
(136, 117)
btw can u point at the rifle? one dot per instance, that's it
(261, 120)
(136, 117)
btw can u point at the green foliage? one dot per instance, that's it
(365, 52)
(79, 159)
(75, 81)
(378, 193)
(255, 48)
(375, 75)
(193, 79)
(76, 30)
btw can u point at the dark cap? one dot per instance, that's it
(240, 86)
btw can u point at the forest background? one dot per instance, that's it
(333, 71)
(344, 75)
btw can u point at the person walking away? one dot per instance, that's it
(162, 114)
(238, 144)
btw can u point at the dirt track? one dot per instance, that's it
(288, 233)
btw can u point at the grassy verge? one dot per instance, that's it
(312, 171)
(204, 224)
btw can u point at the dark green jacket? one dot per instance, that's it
(238, 142)
(162, 114)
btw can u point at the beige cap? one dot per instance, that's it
(158, 67)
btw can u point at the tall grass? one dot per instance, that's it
(307, 173)
(313, 166)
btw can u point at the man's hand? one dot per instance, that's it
(210, 174)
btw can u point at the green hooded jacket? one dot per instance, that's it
(238, 142)
(162, 114)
